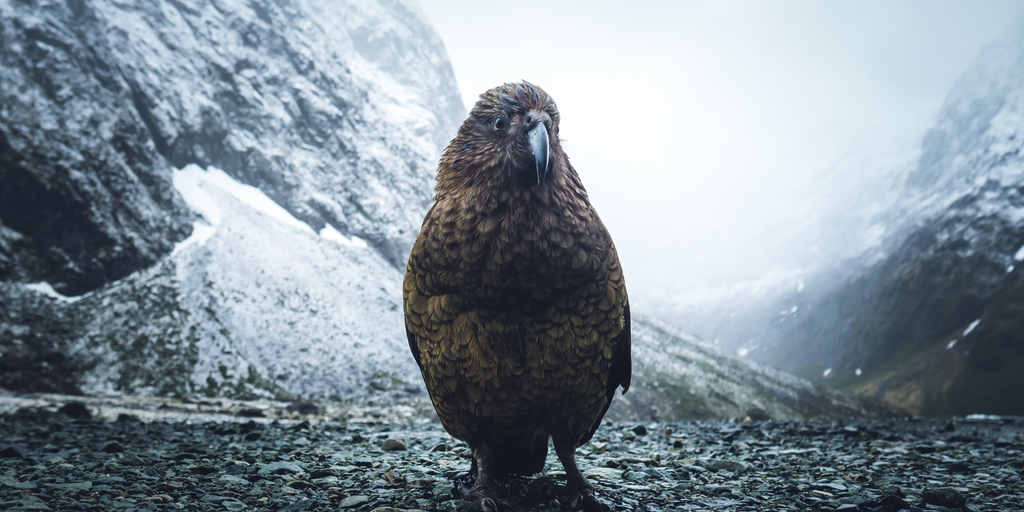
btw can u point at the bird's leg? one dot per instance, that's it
(578, 492)
(483, 490)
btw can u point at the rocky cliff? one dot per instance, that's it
(328, 114)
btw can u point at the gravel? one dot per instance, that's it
(53, 461)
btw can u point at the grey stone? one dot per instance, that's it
(442, 491)
(354, 501)
(130, 459)
(458, 506)
(71, 487)
(944, 496)
(392, 445)
(734, 466)
(233, 505)
(603, 474)
(280, 468)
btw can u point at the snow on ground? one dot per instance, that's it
(46, 289)
(332, 234)
(269, 305)
(971, 327)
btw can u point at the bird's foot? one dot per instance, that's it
(486, 497)
(578, 497)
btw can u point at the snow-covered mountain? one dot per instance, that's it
(319, 124)
(218, 198)
(934, 320)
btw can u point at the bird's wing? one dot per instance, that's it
(620, 373)
(414, 347)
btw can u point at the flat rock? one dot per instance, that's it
(354, 501)
(603, 474)
(735, 466)
(280, 468)
(392, 445)
(944, 496)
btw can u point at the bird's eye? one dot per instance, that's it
(499, 123)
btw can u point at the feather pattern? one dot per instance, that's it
(515, 303)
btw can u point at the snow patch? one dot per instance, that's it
(1009, 269)
(950, 344)
(330, 233)
(358, 242)
(252, 196)
(192, 182)
(971, 327)
(44, 288)
(1019, 256)
(827, 372)
(201, 233)
(189, 183)
(857, 372)
(800, 287)
(983, 417)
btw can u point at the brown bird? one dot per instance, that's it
(515, 303)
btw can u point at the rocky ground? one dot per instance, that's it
(220, 456)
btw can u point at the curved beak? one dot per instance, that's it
(539, 145)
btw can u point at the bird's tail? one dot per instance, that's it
(521, 457)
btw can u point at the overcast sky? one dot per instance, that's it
(713, 136)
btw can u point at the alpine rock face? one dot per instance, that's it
(217, 198)
(142, 146)
(934, 323)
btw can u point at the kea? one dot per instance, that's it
(515, 303)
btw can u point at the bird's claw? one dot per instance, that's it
(551, 491)
(482, 497)
(493, 505)
(583, 499)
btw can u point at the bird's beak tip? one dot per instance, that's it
(540, 146)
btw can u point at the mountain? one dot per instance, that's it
(933, 320)
(218, 198)
(335, 111)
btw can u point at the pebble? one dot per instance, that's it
(603, 474)
(944, 497)
(112, 447)
(75, 410)
(354, 501)
(734, 466)
(392, 445)
(758, 465)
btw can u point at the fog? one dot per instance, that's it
(729, 142)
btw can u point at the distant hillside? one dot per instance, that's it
(935, 323)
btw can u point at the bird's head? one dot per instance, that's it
(510, 137)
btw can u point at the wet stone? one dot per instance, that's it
(943, 496)
(112, 447)
(354, 501)
(130, 459)
(392, 445)
(76, 410)
(12, 451)
(733, 466)
(786, 466)
(443, 490)
(280, 468)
